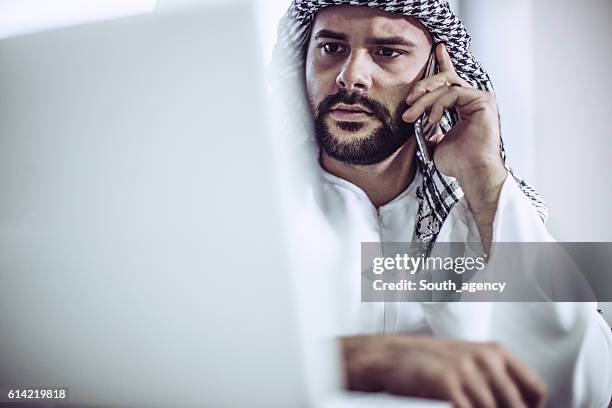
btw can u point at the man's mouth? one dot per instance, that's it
(346, 113)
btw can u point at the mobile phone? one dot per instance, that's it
(422, 131)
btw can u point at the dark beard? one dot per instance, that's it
(374, 148)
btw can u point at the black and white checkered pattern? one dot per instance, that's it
(438, 193)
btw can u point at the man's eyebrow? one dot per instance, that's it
(330, 34)
(391, 41)
(371, 40)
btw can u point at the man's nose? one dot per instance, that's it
(355, 73)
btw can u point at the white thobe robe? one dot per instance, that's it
(568, 344)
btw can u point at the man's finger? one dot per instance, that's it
(444, 60)
(446, 76)
(506, 391)
(426, 85)
(448, 100)
(440, 99)
(434, 82)
(423, 103)
(460, 400)
(478, 389)
(436, 138)
(454, 392)
(532, 387)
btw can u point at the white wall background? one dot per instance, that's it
(573, 90)
(502, 40)
(573, 61)
(550, 62)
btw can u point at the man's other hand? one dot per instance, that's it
(467, 374)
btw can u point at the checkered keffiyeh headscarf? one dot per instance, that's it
(438, 193)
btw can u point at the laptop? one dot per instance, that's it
(143, 261)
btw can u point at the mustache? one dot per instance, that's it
(378, 109)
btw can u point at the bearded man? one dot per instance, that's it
(362, 64)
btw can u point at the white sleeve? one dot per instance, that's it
(569, 344)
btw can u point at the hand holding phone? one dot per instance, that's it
(422, 129)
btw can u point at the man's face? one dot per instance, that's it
(361, 64)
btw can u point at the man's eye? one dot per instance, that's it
(331, 48)
(388, 52)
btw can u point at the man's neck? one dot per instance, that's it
(382, 182)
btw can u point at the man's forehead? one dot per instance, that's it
(366, 20)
